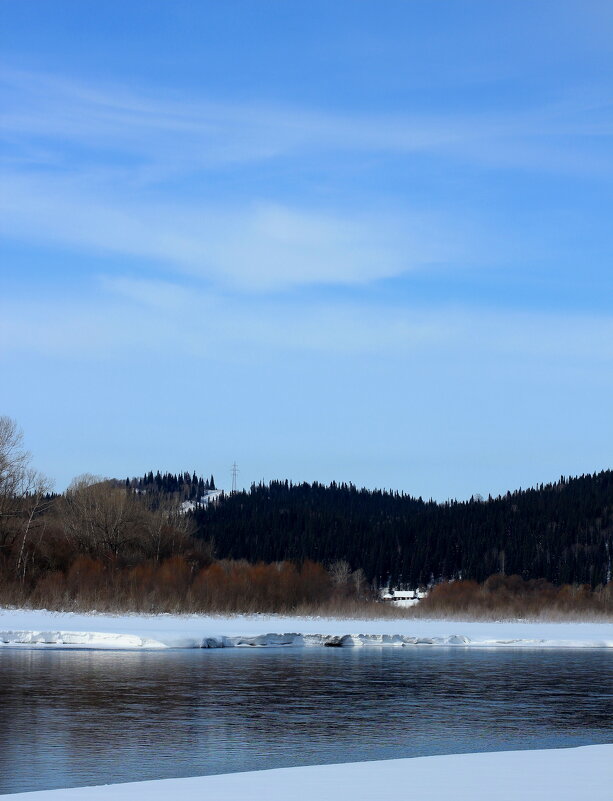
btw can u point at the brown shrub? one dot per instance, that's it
(503, 596)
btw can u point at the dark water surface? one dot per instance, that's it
(70, 718)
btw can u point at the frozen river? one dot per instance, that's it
(70, 718)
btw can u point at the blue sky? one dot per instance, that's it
(357, 241)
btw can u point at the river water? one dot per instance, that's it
(70, 717)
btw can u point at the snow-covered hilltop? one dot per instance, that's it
(41, 628)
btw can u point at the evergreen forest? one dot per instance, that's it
(562, 532)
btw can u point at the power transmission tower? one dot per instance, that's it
(235, 472)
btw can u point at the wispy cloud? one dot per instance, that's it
(258, 246)
(170, 136)
(117, 171)
(134, 318)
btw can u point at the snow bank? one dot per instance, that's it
(40, 628)
(560, 774)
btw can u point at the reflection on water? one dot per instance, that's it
(69, 718)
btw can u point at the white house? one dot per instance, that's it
(402, 597)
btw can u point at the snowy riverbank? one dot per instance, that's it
(41, 628)
(553, 775)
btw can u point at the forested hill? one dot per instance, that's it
(562, 532)
(182, 486)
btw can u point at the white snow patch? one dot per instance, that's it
(553, 775)
(41, 628)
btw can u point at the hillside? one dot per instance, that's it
(562, 531)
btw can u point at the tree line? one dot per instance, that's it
(181, 486)
(561, 532)
(109, 543)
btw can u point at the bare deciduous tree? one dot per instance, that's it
(165, 529)
(98, 517)
(35, 501)
(23, 492)
(340, 572)
(13, 465)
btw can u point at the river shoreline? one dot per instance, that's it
(42, 628)
(563, 774)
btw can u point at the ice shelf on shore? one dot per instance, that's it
(41, 628)
(565, 774)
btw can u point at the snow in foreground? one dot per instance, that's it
(556, 775)
(40, 628)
